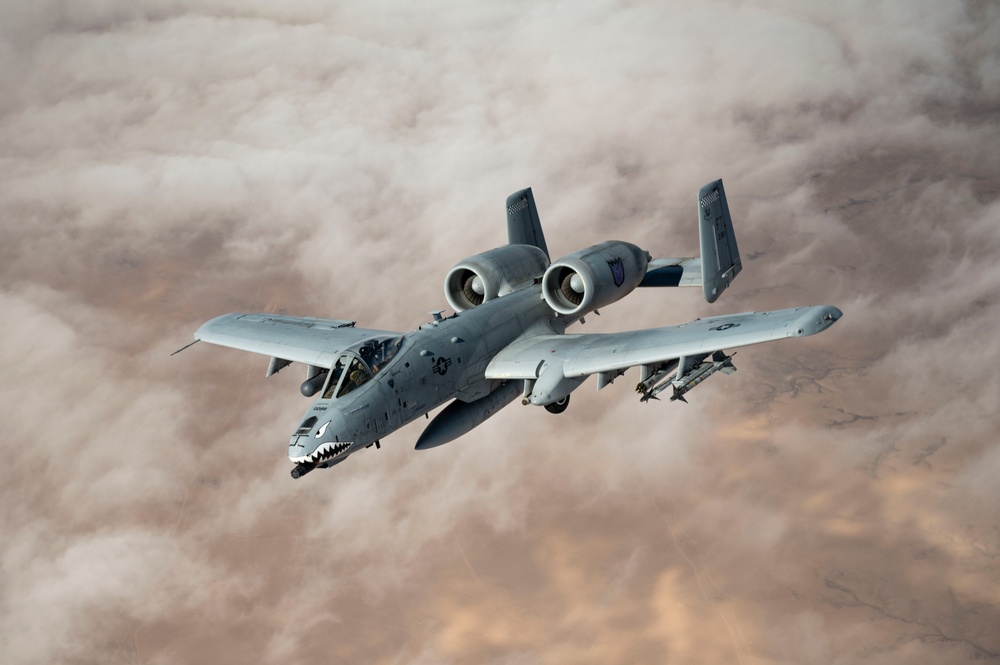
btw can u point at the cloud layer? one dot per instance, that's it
(834, 501)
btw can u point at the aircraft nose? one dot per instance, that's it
(319, 441)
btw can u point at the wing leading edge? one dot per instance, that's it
(312, 341)
(581, 355)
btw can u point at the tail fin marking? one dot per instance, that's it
(720, 256)
(523, 225)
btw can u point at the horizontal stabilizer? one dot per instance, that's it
(673, 272)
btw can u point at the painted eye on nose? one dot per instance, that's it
(322, 430)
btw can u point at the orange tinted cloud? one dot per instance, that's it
(165, 162)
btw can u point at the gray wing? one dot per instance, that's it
(581, 355)
(317, 342)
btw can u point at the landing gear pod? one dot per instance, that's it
(558, 406)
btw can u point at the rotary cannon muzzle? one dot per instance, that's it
(302, 469)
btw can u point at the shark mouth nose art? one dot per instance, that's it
(328, 450)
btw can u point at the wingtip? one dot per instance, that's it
(817, 319)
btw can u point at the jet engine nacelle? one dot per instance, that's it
(492, 274)
(594, 277)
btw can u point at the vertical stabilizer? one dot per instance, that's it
(720, 257)
(523, 225)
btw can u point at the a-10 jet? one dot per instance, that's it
(507, 338)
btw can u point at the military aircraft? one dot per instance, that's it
(507, 338)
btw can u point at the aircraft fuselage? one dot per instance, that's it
(441, 361)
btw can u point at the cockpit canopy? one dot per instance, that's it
(357, 366)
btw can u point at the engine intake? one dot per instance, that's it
(492, 274)
(594, 277)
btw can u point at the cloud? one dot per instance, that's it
(165, 162)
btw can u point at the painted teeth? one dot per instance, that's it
(326, 451)
(329, 450)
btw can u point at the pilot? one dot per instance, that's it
(372, 357)
(357, 376)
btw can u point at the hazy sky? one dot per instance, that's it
(835, 501)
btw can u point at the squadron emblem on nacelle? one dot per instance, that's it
(617, 271)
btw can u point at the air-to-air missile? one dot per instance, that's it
(657, 379)
(720, 363)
